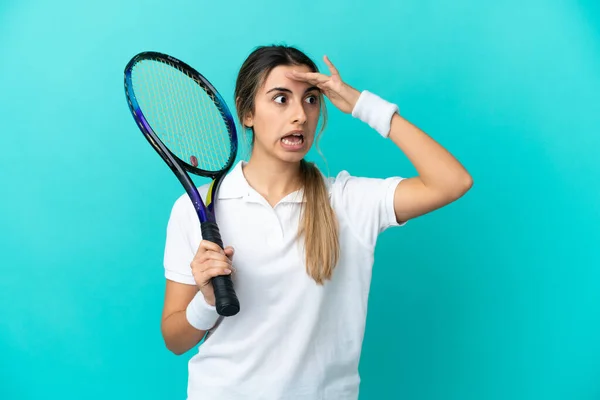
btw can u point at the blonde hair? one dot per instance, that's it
(318, 224)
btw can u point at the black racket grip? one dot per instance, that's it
(226, 301)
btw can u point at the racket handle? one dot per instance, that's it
(226, 301)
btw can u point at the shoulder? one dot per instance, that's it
(364, 205)
(334, 183)
(367, 202)
(345, 183)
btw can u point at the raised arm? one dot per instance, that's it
(440, 180)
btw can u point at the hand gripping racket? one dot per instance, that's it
(187, 122)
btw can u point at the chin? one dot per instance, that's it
(294, 157)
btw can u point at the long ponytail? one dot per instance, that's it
(318, 225)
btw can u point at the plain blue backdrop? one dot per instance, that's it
(494, 297)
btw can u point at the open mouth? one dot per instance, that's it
(293, 140)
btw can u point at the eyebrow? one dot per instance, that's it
(282, 89)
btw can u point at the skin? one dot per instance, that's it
(273, 171)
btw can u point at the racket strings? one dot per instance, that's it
(185, 117)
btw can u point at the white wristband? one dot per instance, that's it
(375, 111)
(200, 314)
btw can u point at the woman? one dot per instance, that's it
(303, 244)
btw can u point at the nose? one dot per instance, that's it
(299, 115)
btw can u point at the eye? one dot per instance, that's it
(282, 97)
(312, 99)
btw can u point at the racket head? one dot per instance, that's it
(181, 114)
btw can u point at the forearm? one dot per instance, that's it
(436, 167)
(178, 334)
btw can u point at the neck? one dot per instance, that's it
(272, 179)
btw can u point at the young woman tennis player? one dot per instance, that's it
(304, 244)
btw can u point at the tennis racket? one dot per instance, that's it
(187, 122)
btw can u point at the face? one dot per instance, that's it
(285, 116)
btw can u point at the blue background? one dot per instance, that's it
(493, 297)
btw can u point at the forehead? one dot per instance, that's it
(277, 78)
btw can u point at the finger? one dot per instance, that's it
(208, 245)
(212, 256)
(312, 77)
(212, 264)
(229, 251)
(199, 263)
(330, 65)
(207, 267)
(211, 273)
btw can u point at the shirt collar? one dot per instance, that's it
(235, 186)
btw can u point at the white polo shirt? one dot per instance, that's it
(292, 339)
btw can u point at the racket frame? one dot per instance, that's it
(205, 210)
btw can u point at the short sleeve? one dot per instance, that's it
(367, 204)
(178, 252)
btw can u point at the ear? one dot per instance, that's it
(248, 120)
